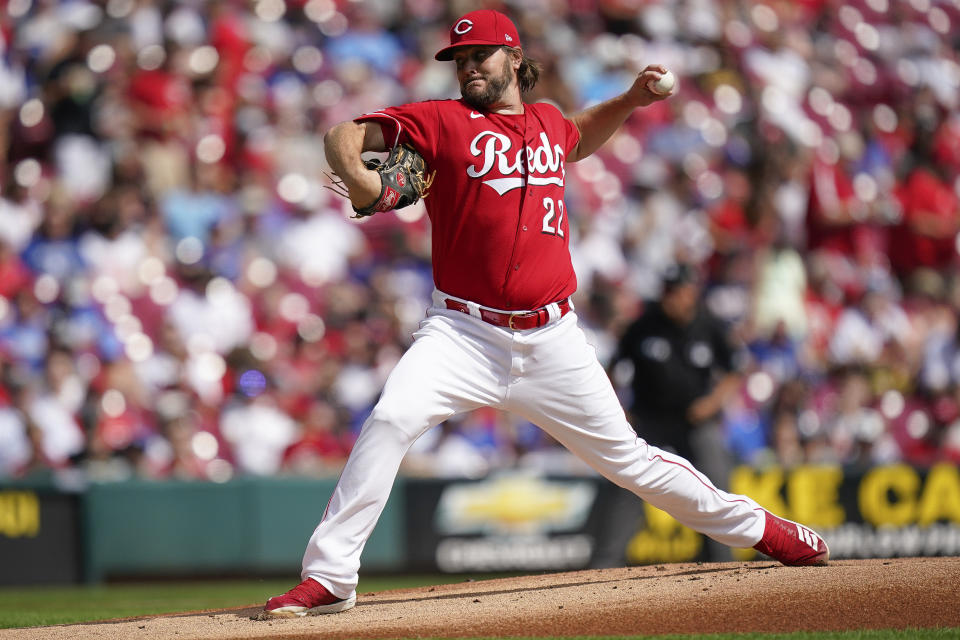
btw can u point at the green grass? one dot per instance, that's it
(884, 634)
(907, 634)
(38, 606)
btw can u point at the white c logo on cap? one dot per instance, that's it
(457, 27)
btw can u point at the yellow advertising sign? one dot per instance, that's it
(890, 510)
(810, 495)
(896, 496)
(19, 514)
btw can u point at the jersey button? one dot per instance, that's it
(516, 267)
(524, 227)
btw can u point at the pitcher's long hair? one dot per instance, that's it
(529, 71)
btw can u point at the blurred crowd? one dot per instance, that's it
(180, 296)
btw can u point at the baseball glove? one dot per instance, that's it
(403, 181)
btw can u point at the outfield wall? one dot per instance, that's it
(247, 526)
(507, 522)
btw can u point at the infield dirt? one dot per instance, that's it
(898, 593)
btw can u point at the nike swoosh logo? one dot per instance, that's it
(474, 115)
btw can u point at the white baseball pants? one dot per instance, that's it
(549, 376)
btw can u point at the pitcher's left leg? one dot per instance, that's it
(566, 392)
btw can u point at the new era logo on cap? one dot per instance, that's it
(483, 27)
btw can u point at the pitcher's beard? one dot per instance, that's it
(493, 91)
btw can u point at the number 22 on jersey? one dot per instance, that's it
(553, 211)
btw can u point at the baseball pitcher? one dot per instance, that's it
(502, 330)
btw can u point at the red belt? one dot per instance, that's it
(517, 320)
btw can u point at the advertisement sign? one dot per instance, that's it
(882, 512)
(506, 522)
(516, 522)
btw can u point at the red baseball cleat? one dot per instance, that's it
(309, 598)
(792, 544)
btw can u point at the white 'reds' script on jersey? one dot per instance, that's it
(541, 160)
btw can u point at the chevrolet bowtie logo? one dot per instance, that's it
(514, 503)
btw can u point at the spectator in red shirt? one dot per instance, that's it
(927, 235)
(839, 221)
(14, 274)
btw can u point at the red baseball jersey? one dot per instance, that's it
(499, 225)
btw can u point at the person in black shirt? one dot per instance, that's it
(684, 370)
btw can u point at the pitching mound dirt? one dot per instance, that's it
(682, 598)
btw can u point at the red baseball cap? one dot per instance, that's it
(483, 27)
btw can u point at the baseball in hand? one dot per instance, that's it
(665, 83)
